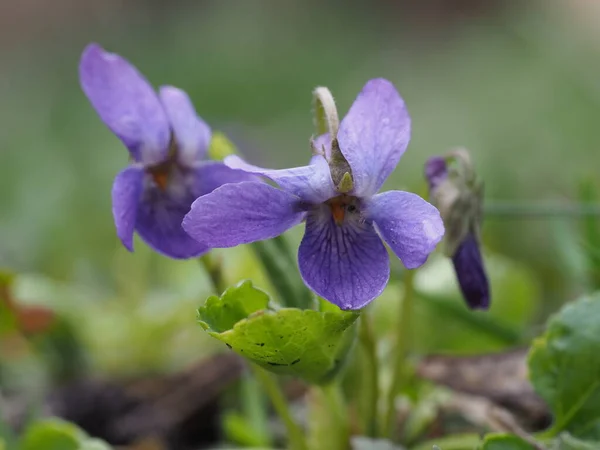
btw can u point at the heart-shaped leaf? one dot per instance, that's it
(564, 368)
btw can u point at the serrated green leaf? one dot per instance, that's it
(52, 435)
(305, 343)
(564, 368)
(502, 441)
(236, 303)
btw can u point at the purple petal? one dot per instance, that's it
(311, 183)
(240, 213)
(374, 135)
(470, 273)
(161, 211)
(192, 134)
(410, 226)
(346, 264)
(126, 193)
(209, 175)
(436, 171)
(126, 102)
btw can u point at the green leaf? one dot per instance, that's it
(236, 303)
(502, 441)
(55, 434)
(94, 444)
(52, 435)
(308, 344)
(564, 368)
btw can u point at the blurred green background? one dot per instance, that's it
(517, 83)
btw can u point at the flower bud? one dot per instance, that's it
(327, 121)
(456, 192)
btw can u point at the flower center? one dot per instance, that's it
(341, 207)
(161, 172)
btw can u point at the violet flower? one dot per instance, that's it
(341, 257)
(458, 195)
(167, 143)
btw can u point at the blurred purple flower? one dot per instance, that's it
(341, 257)
(167, 143)
(458, 196)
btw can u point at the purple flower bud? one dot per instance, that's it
(470, 273)
(455, 191)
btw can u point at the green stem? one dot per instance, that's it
(371, 372)
(214, 270)
(271, 387)
(269, 384)
(401, 350)
(339, 414)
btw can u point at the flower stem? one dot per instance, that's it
(401, 350)
(338, 411)
(371, 373)
(270, 385)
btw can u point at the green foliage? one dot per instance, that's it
(591, 233)
(54, 434)
(239, 429)
(567, 442)
(280, 265)
(502, 441)
(564, 368)
(466, 441)
(365, 443)
(443, 323)
(305, 343)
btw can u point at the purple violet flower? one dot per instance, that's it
(342, 256)
(458, 196)
(167, 143)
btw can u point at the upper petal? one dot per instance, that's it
(311, 183)
(410, 226)
(126, 102)
(346, 264)
(235, 214)
(126, 193)
(192, 134)
(374, 135)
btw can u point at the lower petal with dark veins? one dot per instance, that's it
(347, 264)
